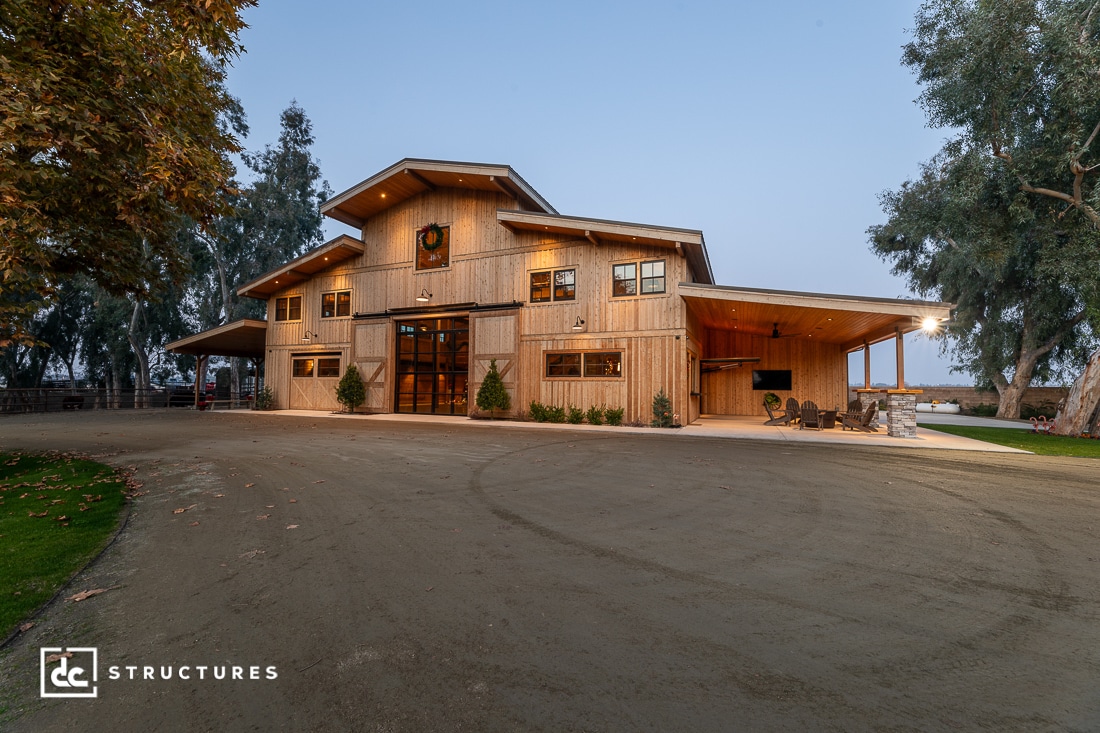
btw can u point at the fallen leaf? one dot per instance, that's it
(181, 511)
(293, 501)
(24, 628)
(269, 506)
(249, 486)
(292, 526)
(252, 553)
(193, 524)
(62, 518)
(57, 657)
(263, 516)
(219, 496)
(85, 594)
(319, 481)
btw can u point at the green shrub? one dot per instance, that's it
(538, 412)
(594, 415)
(614, 417)
(662, 410)
(1047, 409)
(350, 392)
(555, 414)
(265, 399)
(492, 395)
(575, 415)
(984, 410)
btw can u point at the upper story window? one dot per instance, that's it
(288, 308)
(553, 285)
(433, 247)
(336, 305)
(625, 278)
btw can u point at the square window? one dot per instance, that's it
(565, 287)
(603, 364)
(653, 277)
(336, 304)
(328, 367)
(433, 247)
(303, 368)
(563, 365)
(624, 280)
(289, 308)
(540, 287)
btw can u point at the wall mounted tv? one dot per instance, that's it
(771, 379)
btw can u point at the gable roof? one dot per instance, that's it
(412, 176)
(246, 337)
(688, 242)
(303, 268)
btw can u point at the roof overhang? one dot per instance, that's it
(847, 320)
(411, 177)
(246, 337)
(328, 254)
(687, 242)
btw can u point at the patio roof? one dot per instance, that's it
(302, 268)
(246, 337)
(848, 320)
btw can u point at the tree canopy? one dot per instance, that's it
(109, 132)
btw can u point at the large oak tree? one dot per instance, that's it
(109, 133)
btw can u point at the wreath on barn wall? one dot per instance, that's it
(430, 237)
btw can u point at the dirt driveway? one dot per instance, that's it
(407, 577)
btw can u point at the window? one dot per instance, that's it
(303, 367)
(289, 308)
(553, 285)
(653, 277)
(433, 247)
(335, 305)
(624, 280)
(328, 367)
(584, 364)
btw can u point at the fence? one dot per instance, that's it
(24, 400)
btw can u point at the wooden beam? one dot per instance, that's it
(420, 179)
(506, 188)
(900, 337)
(680, 249)
(866, 365)
(507, 225)
(591, 237)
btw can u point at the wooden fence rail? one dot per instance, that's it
(23, 400)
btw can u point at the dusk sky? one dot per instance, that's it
(771, 127)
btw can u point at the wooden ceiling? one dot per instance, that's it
(328, 254)
(837, 319)
(410, 177)
(246, 337)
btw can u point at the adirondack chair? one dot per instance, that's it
(794, 412)
(863, 423)
(811, 416)
(783, 418)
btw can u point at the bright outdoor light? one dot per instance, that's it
(928, 325)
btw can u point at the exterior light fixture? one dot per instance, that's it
(579, 325)
(930, 324)
(424, 296)
(307, 336)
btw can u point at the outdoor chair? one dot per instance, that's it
(794, 412)
(783, 418)
(863, 422)
(811, 416)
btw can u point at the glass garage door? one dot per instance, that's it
(433, 356)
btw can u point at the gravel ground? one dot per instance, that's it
(435, 577)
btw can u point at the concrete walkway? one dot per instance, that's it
(725, 426)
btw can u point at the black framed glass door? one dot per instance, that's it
(433, 363)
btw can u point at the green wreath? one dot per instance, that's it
(431, 237)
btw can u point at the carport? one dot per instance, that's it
(246, 338)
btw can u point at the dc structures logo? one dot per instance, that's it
(76, 673)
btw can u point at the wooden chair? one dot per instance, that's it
(811, 416)
(794, 412)
(863, 423)
(783, 418)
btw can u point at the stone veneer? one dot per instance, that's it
(901, 414)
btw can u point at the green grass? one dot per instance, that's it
(1043, 445)
(56, 512)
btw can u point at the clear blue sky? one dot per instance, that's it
(770, 126)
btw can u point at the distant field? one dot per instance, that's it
(56, 512)
(1043, 445)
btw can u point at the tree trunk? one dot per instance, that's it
(234, 379)
(1012, 393)
(141, 381)
(72, 374)
(1080, 407)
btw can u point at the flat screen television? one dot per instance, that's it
(771, 379)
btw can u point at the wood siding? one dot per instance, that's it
(819, 372)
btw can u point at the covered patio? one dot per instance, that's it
(797, 344)
(246, 338)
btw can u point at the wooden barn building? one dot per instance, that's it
(458, 264)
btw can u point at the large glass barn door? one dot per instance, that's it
(433, 362)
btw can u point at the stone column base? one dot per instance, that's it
(901, 414)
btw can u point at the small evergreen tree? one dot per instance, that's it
(662, 410)
(492, 395)
(350, 392)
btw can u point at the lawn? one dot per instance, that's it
(1043, 445)
(56, 512)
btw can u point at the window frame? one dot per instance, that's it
(642, 277)
(552, 286)
(615, 280)
(286, 299)
(582, 363)
(638, 283)
(336, 304)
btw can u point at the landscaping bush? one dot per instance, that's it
(350, 392)
(983, 410)
(538, 412)
(492, 395)
(1047, 409)
(614, 417)
(555, 414)
(594, 415)
(662, 410)
(265, 399)
(575, 415)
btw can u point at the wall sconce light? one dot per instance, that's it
(579, 325)
(307, 336)
(424, 296)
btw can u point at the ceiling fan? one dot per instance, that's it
(777, 335)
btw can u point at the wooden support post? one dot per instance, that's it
(200, 362)
(866, 365)
(900, 341)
